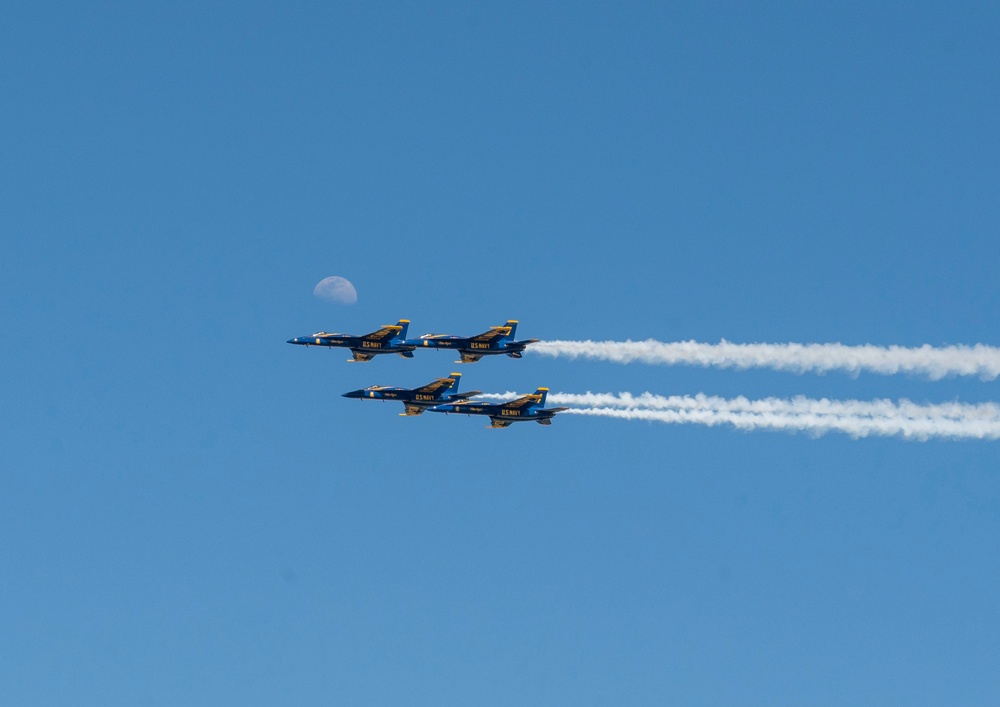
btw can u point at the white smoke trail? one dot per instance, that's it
(910, 428)
(935, 363)
(858, 418)
(792, 406)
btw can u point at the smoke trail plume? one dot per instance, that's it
(918, 428)
(933, 362)
(793, 406)
(858, 418)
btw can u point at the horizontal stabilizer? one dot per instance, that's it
(463, 396)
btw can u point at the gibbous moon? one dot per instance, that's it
(336, 289)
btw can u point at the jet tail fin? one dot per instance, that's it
(512, 323)
(404, 324)
(543, 392)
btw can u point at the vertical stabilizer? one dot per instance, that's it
(512, 323)
(405, 324)
(544, 393)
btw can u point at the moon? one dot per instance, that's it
(336, 289)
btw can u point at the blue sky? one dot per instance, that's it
(190, 513)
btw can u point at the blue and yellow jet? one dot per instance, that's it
(416, 400)
(391, 338)
(498, 340)
(527, 408)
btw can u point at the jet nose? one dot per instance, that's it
(354, 394)
(296, 340)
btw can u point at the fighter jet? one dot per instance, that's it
(498, 340)
(523, 409)
(387, 340)
(415, 401)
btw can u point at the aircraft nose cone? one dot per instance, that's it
(354, 394)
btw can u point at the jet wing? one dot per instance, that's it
(494, 334)
(412, 409)
(386, 332)
(523, 401)
(469, 357)
(499, 422)
(434, 387)
(361, 356)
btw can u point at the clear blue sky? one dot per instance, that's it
(191, 514)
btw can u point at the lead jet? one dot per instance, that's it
(523, 409)
(416, 400)
(391, 338)
(498, 340)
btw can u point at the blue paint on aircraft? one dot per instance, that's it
(498, 340)
(416, 400)
(391, 338)
(527, 408)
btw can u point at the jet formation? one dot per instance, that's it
(441, 394)
(391, 338)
